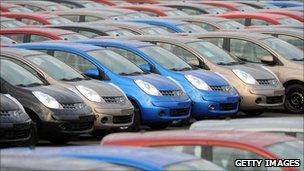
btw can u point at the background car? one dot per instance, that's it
(10, 23)
(195, 9)
(9, 7)
(232, 6)
(39, 5)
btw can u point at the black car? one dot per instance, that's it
(16, 127)
(59, 113)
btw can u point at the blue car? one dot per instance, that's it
(210, 93)
(172, 25)
(286, 4)
(157, 100)
(101, 158)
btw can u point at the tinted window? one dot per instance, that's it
(230, 24)
(206, 26)
(258, 22)
(37, 38)
(191, 28)
(239, 20)
(89, 34)
(137, 60)
(156, 31)
(191, 11)
(33, 8)
(74, 18)
(297, 42)
(11, 24)
(16, 37)
(30, 21)
(59, 20)
(92, 18)
(215, 40)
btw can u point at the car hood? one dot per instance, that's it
(7, 104)
(101, 88)
(158, 81)
(209, 77)
(62, 95)
(255, 70)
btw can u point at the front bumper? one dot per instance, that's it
(15, 132)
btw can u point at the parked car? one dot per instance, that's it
(36, 18)
(211, 23)
(259, 18)
(293, 14)
(94, 30)
(285, 60)
(292, 126)
(211, 94)
(102, 158)
(9, 7)
(39, 5)
(232, 6)
(286, 4)
(110, 106)
(59, 113)
(15, 125)
(10, 23)
(37, 34)
(172, 26)
(78, 4)
(157, 100)
(194, 9)
(256, 86)
(222, 148)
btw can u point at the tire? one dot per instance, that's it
(294, 101)
(159, 126)
(256, 112)
(135, 127)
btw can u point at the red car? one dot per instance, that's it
(220, 147)
(155, 11)
(30, 34)
(293, 14)
(36, 18)
(258, 18)
(232, 6)
(7, 7)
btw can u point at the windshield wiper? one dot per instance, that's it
(72, 79)
(181, 69)
(30, 85)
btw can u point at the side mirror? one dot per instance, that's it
(194, 62)
(269, 60)
(93, 73)
(145, 67)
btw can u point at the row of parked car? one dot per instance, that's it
(121, 66)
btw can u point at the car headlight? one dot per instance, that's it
(197, 82)
(47, 100)
(148, 88)
(244, 76)
(89, 93)
(16, 101)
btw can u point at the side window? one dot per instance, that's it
(180, 52)
(137, 60)
(28, 21)
(191, 11)
(74, 18)
(240, 20)
(247, 50)
(87, 33)
(188, 149)
(16, 37)
(68, 5)
(32, 71)
(258, 22)
(33, 8)
(91, 18)
(75, 61)
(37, 38)
(216, 41)
(297, 42)
(205, 26)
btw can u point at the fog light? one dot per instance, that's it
(104, 120)
(258, 100)
(211, 107)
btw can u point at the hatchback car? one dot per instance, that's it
(255, 85)
(110, 106)
(211, 95)
(157, 100)
(220, 147)
(101, 158)
(59, 113)
(15, 125)
(37, 34)
(285, 60)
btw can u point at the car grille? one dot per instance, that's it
(4, 113)
(221, 88)
(14, 134)
(267, 82)
(118, 99)
(179, 112)
(274, 99)
(228, 106)
(77, 126)
(22, 126)
(87, 118)
(122, 119)
(176, 93)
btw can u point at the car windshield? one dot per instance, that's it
(191, 28)
(230, 24)
(11, 24)
(56, 8)
(135, 15)
(16, 75)
(245, 8)
(290, 21)
(55, 68)
(19, 9)
(155, 31)
(166, 58)
(174, 12)
(72, 36)
(288, 150)
(285, 49)
(92, 5)
(59, 20)
(195, 165)
(213, 53)
(216, 10)
(115, 62)
(121, 32)
(5, 40)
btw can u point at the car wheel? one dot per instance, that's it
(137, 119)
(294, 101)
(159, 126)
(256, 112)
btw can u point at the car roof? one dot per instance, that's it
(146, 158)
(255, 36)
(43, 30)
(249, 14)
(124, 42)
(256, 139)
(18, 52)
(268, 124)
